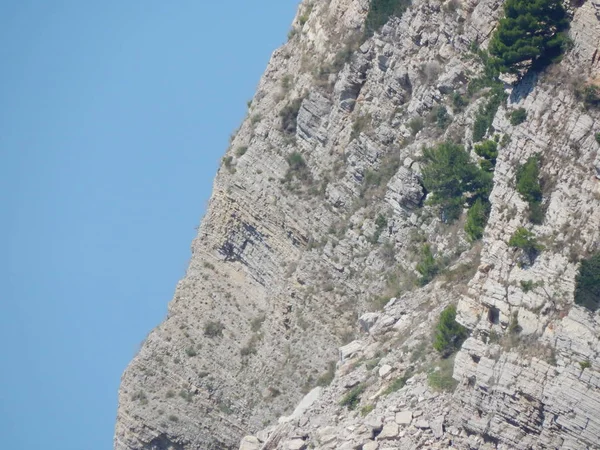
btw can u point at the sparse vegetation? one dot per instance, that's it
(140, 396)
(191, 352)
(327, 377)
(527, 285)
(352, 398)
(361, 123)
(441, 378)
(186, 395)
(257, 322)
(380, 224)
(485, 114)
(428, 267)
(415, 124)
(298, 168)
(366, 410)
(289, 116)
(587, 283)
(227, 163)
(240, 151)
(449, 334)
(398, 383)
(173, 418)
(213, 329)
(518, 116)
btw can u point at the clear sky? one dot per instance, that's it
(113, 117)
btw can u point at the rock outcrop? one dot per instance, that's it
(317, 220)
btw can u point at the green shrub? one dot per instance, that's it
(477, 218)
(526, 241)
(518, 116)
(449, 174)
(428, 267)
(173, 418)
(442, 118)
(213, 329)
(532, 33)
(352, 398)
(530, 188)
(488, 150)
(381, 11)
(449, 334)
(240, 151)
(191, 352)
(597, 136)
(587, 283)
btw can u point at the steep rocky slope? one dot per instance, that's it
(318, 217)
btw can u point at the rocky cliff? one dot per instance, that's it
(319, 217)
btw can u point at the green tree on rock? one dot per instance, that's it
(532, 33)
(449, 175)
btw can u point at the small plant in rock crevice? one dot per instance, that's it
(352, 398)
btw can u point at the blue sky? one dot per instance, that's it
(113, 118)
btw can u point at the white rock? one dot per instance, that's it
(350, 349)
(404, 418)
(295, 444)
(422, 424)
(250, 443)
(385, 370)
(305, 403)
(371, 445)
(389, 431)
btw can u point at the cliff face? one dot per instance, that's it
(318, 218)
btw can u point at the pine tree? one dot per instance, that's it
(532, 33)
